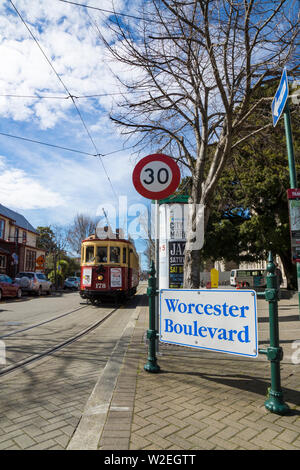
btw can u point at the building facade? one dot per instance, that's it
(18, 250)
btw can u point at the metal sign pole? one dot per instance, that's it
(157, 235)
(151, 365)
(274, 352)
(280, 104)
(292, 169)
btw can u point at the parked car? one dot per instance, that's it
(9, 288)
(32, 282)
(248, 277)
(71, 283)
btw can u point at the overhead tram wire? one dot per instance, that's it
(99, 95)
(63, 148)
(69, 95)
(47, 144)
(115, 13)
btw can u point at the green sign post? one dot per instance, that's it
(280, 104)
(274, 353)
(152, 334)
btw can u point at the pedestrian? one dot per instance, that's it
(279, 278)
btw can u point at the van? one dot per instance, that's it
(248, 277)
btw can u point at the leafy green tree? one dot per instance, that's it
(54, 241)
(46, 239)
(56, 278)
(249, 213)
(196, 65)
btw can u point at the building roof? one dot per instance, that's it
(19, 219)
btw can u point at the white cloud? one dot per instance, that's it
(18, 190)
(68, 36)
(52, 185)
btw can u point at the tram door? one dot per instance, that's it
(128, 270)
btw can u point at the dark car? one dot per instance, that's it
(8, 288)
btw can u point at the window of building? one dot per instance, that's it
(24, 237)
(2, 227)
(2, 261)
(114, 254)
(30, 260)
(16, 234)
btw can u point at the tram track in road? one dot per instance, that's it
(36, 325)
(58, 346)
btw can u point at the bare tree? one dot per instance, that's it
(82, 226)
(192, 70)
(146, 224)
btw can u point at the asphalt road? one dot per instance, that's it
(41, 403)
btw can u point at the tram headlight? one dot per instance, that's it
(100, 278)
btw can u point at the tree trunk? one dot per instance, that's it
(289, 270)
(192, 269)
(198, 218)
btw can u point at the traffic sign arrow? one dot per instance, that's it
(280, 98)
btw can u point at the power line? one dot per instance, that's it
(66, 97)
(38, 44)
(47, 144)
(64, 148)
(105, 11)
(36, 97)
(69, 94)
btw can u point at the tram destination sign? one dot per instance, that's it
(212, 319)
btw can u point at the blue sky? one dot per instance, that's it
(49, 185)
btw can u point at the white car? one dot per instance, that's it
(36, 283)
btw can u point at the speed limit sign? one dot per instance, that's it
(156, 176)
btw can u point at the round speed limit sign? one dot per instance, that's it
(156, 176)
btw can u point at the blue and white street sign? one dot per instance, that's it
(280, 98)
(212, 319)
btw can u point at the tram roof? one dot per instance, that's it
(123, 240)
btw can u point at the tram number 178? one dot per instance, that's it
(100, 285)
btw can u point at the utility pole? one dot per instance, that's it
(280, 104)
(292, 170)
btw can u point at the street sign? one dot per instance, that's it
(15, 258)
(294, 216)
(40, 261)
(156, 176)
(280, 98)
(213, 319)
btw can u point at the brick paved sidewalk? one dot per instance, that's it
(204, 400)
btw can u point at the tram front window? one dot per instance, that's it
(89, 254)
(114, 254)
(101, 254)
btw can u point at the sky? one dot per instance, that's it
(49, 185)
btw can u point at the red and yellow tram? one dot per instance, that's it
(109, 268)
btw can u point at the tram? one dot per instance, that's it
(109, 269)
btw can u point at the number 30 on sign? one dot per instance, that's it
(156, 176)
